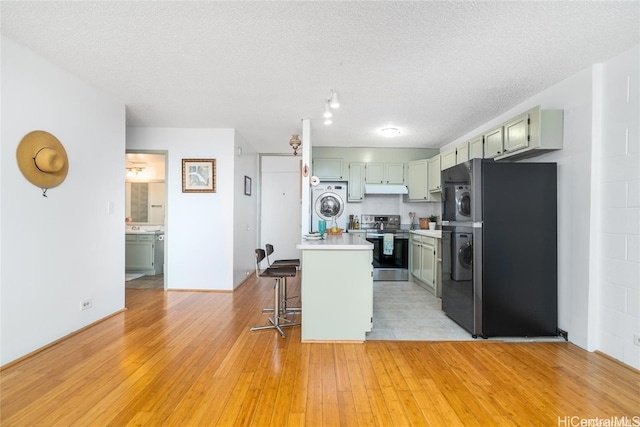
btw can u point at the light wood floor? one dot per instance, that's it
(189, 359)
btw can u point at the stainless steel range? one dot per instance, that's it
(390, 247)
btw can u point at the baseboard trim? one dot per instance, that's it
(246, 279)
(59, 340)
(619, 362)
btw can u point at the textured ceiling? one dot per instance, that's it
(435, 70)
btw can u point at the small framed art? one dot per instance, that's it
(198, 175)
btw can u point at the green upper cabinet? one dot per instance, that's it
(384, 173)
(418, 180)
(476, 148)
(355, 189)
(394, 173)
(374, 173)
(417, 177)
(462, 153)
(534, 132)
(328, 169)
(516, 133)
(493, 143)
(448, 159)
(434, 173)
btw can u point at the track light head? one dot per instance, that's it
(333, 100)
(327, 111)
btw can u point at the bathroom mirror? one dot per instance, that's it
(145, 202)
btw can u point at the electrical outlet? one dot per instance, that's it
(636, 339)
(86, 304)
(563, 334)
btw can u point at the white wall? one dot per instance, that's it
(618, 187)
(199, 228)
(578, 290)
(245, 218)
(67, 247)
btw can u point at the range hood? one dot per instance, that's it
(385, 189)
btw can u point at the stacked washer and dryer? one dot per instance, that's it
(328, 201)
(462, 238)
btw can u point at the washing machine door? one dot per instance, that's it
(463, 203)
(462, 257)
(465, 255)
(329, 205)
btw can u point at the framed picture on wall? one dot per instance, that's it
(198, 175)
(247, 185)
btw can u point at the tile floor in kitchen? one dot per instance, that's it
(406, 311)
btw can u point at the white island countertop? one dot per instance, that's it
(345, 241)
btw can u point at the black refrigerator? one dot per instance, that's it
(502, 216)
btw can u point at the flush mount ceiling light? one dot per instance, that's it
(295, 143)
(390, 132)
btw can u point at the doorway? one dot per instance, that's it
(280, 216)
(145, 213)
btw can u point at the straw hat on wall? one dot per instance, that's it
(42, 159)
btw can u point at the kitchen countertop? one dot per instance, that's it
(430, 233)
(345, 241)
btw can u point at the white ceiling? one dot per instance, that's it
(435, 70)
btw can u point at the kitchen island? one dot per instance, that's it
(336, 288)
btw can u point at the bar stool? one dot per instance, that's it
(294, 262)
(279, 274)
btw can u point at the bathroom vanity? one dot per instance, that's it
(144, 251)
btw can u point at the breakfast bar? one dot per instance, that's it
(336, 288)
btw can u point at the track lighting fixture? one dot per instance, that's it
(332, 102)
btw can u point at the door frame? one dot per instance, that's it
(164, 153)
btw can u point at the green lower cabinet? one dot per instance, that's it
(425, 262)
